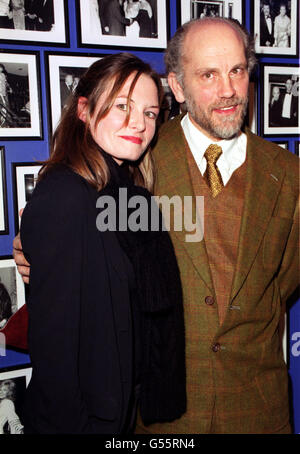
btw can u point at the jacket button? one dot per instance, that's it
(216, 347)
(209, 300)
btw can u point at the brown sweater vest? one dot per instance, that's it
(222, 220)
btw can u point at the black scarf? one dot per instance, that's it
(159, 301)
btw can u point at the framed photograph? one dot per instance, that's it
(20, 106)
(3, 195)
(275, 27)
(123, 23)
(13, 384)
(24, 175)
(169, 107)
(194, 9)
(251, 117)
(280, 97)
(34, 21)
(64, 71)
(12, 290)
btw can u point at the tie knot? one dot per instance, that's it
(212, 153)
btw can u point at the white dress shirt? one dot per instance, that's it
(234, 150)
(286, 108)
(269, 24)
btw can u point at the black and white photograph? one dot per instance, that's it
(3, 195)
(123, 23)
(12, 292)
(169, 107)
(64, 71)
(25, 176)
(251, 117)
(13, 384)
(38, 21)
(20, 109)
(194, 9)
(280, 88)
(275, 27)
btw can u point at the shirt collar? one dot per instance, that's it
(199, 141)
(234, 150)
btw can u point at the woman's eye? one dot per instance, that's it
(151, 114)
(122, 107)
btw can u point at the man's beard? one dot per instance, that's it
(226, 127)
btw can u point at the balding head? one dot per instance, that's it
(215, 77)
(177, 46)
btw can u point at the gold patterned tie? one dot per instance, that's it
(212, 173)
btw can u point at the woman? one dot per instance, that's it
(145, 19)
(18, 14)
(105, 308)
(275, 108)
(282, 28)
(131, 11)
(9, 420)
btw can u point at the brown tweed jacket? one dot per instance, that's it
(236, 376)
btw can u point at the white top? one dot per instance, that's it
(234, 150)
(8, 414)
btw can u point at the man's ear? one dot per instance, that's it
(176, 87)
(82, 108)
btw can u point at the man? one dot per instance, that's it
(289, 112)
(266, 26)
(235, 281)
(39, 15)
(66, 89)
(113, 17)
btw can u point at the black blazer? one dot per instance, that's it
(265, 35)
(80, 324)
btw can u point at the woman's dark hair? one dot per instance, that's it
(73, 144)
(5, 303)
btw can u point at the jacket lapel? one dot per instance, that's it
(263, 185)
(174, 179)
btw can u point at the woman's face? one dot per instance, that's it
(3, 391)
(128, 142)
(283, 10)
(276, 93)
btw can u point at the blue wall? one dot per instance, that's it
(23, 151)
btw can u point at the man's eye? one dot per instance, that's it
(208, 75)
(238, 71)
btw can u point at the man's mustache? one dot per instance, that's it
(229, 103)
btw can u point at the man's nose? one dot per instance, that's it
(226, 87)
